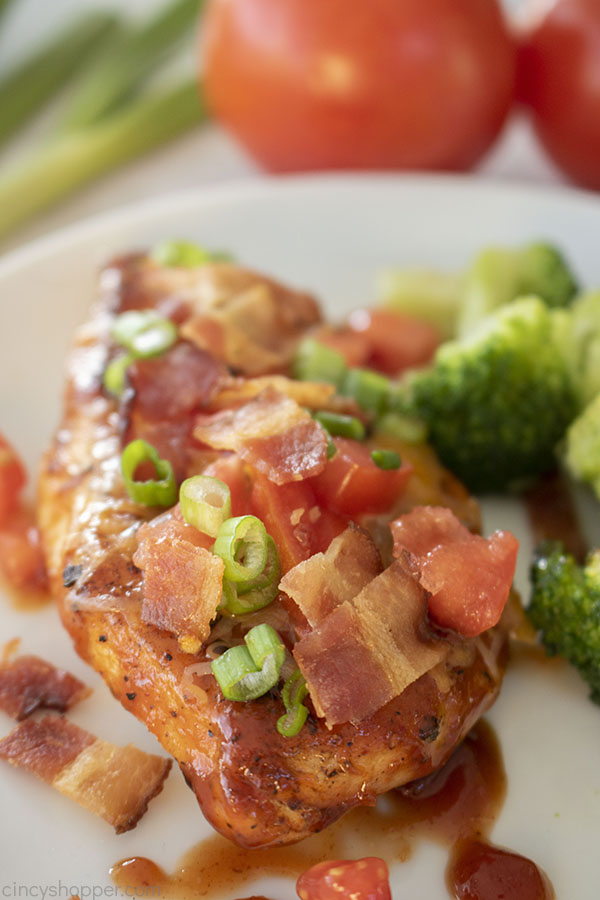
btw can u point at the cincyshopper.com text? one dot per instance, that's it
(64, 891)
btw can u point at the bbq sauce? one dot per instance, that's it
(479, 871)
(455, 806)
(552, 514)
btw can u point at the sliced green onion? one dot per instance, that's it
(245, 673)
(231, 669)
(293, 693)
(186, 254)
(205, 503)
(263, 641)
(242, 545)
(269, 576)
(339, 425)
(294, 690)
(331, 448)
(405, 428)
(317, 362)
(115, 374)
(246, 597)
(290, 724)
(386, 459)
(159, 491)
(369, 389)
(144, 333)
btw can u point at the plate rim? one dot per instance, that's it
(86, 229)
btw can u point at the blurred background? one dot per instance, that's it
(99, 108)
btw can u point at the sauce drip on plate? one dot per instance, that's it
(458, 803)
(478, 871)
(552, 514)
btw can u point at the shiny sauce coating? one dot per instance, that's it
(455, 806)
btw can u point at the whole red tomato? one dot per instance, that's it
(560, 80)
(314, 84)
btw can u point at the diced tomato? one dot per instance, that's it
(396, 341)
(233, 472)
(294, 519)
(12, 479)
(352, 484)
(467, 576)
(354, 346)
(346, 879)
(21, 559)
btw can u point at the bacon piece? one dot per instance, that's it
(467, 576)
(116, 783)
(183, 580)
(312, 394)
(256, 329)
(175, 384)
(28, 683)
(272, 433)
(326, 580)
(162, 395)
(369, 649)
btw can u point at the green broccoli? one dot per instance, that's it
(498, 275)
(455, 302)
(583, 345)
(582, 446)
(496, 402)
(565, 608)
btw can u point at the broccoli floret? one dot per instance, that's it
(565, 608)
(582, 446)
(499, 275)
(496, 402)
(584, 345)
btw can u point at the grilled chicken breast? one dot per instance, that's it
(254, 785)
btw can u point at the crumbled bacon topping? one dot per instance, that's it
(272, 433)
(183, 580)
(369, 649)
(28, 683)
(320, 584)
(182, 380)
(116, 783)
(311, 394)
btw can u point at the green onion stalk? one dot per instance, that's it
(79, 158)
(30, 84)
(118, 72)
(4, 4)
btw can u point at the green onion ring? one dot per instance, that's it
(205, 503)
(246, 597)
(115, 374)
(144, 333)
(246, 673)
(242, 545)
(159, 491)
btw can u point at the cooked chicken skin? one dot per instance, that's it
(253, 785)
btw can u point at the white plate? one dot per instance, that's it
(331, 235)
